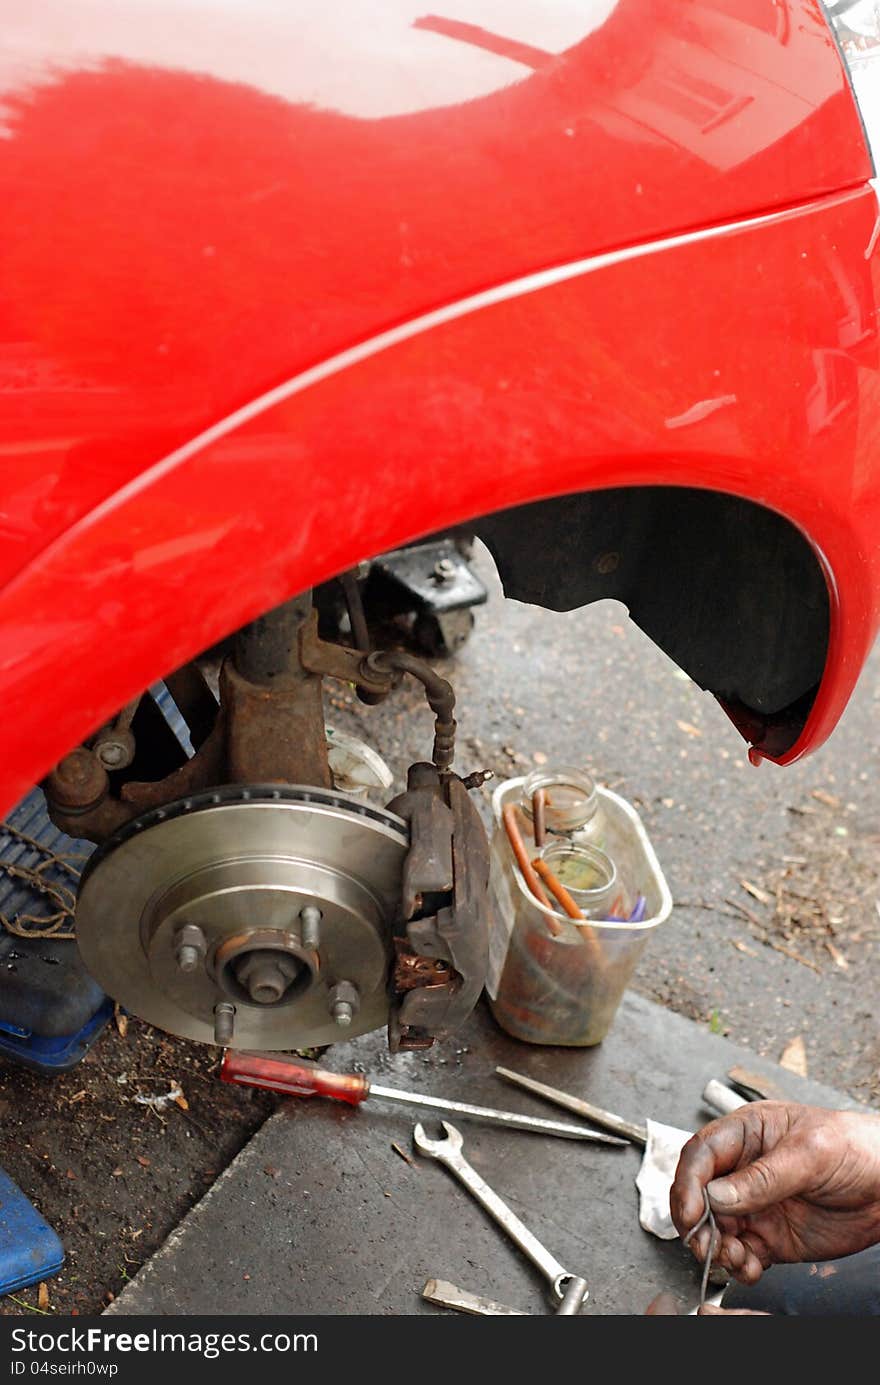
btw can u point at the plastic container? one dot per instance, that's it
(354, 766)
(29, 1249)
(58, 1052)
(550, 979)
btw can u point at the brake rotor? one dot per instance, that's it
(275, 904)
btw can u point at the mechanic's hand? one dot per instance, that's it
(786, 1183)
(666, 1305)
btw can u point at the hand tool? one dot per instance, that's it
(718, 1097)
(573, 1299)
(447, 1295)
(638, 1134)
(714, 1240)
(716, 1301)
(448, 1152)
(304, 1079)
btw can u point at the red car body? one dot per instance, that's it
(285, 286)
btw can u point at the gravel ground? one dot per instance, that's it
(772, 938)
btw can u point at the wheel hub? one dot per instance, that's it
(267, 910)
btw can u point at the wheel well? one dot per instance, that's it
(730, 590)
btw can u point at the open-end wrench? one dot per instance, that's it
(569, 1290)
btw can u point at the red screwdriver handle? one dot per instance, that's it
(292, 1078)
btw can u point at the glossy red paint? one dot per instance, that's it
(330, 229)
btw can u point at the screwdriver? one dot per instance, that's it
(306, 1079)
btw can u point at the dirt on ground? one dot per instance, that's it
(113, 1173)
(817, 904)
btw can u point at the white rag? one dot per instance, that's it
(659, 1162)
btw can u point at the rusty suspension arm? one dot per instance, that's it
(268, 728)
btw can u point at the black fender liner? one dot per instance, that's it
(730, 590)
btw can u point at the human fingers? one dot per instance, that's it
(696, 1168)
(717, 1149)
(781, 1172)
(750, 1268)
(747, 1160)
(731, 1254)
(744, 1254)
(712, 1310)
(664, 1305)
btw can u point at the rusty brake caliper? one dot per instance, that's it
(441, 949)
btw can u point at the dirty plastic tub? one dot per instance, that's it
(554, 981)
(29, 1248)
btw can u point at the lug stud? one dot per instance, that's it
(224, 1023)
(190, 947)
(344, 1003)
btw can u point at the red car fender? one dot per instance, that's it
(741, 359)
(205, 201)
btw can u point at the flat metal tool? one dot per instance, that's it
(448, 1151)
(447, 1295)
(637, 1134)
(304, 1079)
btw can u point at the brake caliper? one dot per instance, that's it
(441, 946)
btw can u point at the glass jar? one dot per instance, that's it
(572, 807)
(589, 876)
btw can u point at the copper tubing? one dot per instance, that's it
(558, 889)
(539, 828)
(514, 836)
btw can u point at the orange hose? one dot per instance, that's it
(558, 889)
(514, 836)
(584, 927)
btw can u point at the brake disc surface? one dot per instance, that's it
(239, 866)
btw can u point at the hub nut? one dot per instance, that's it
(344, 1003)
(266, 974)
